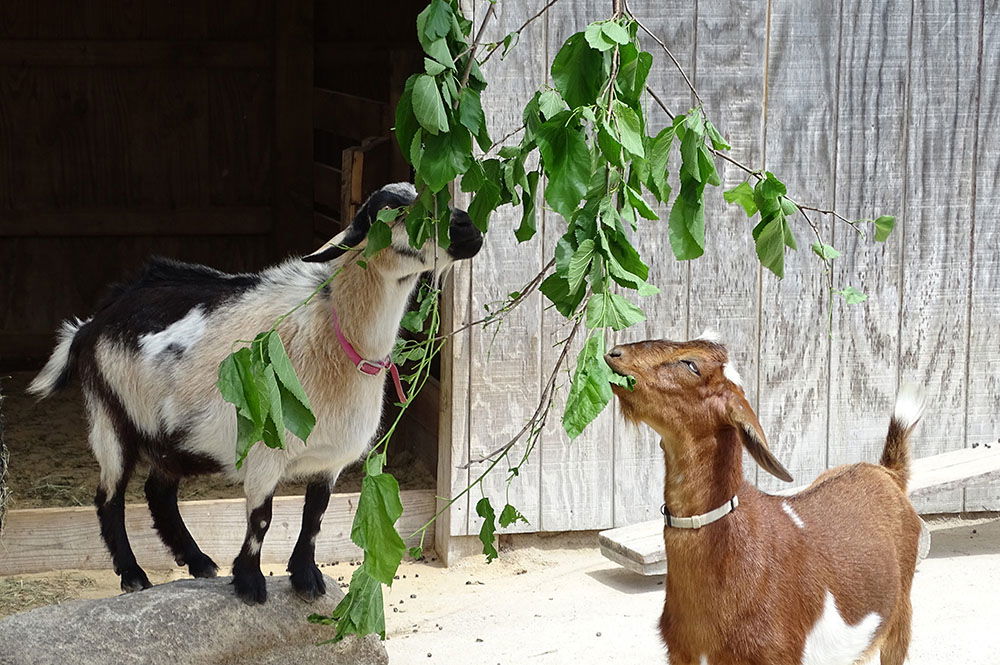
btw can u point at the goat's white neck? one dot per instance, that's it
(370, 307)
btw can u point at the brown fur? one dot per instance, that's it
(747, 589)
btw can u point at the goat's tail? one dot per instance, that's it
(59, 369)
(905, 416)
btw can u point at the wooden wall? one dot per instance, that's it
(132, 128)
(872, 107)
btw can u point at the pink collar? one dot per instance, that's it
(370, 367)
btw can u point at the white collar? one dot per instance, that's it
(698, 521)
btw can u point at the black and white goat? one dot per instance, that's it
(148, 358)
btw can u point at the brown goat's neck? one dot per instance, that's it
(702, 473)
(369, 308)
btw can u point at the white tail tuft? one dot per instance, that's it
(910, 401)
(48, 379)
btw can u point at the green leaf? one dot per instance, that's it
(743, 195)
(883, 227)
(487, 532)
(295, 407)
(594, 34)
(406, 121)
(433, 67)
(436, 20)
(509, 515)
(609, 309)
(610, 147)
(567, 164)
(825, 252)
(361, 611)
(526, 230)
(470, 110)
(640, 205)
(551, 103)
(633, 70)
(447, 156)
(416, 552)
(374, 528)
(578, 71)
(414, 320)
(852, 296)
(657, 155)
(580, 264)
(427, 105)
(616, 33)
(718, 141)
(555, 287)
(629, 129)
(590, 390)
(770, 245)
(379, 237)
(687, 221)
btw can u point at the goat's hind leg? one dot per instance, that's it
(161, 495)
(306, 578)
(117, 462)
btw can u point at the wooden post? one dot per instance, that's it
(293, 125)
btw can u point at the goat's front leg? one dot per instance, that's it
(306, 578)
(247, 579)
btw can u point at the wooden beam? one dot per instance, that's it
(325, 226)
(293, 133)
(350, 116)
(117, 222)
(328, 183)
(42, 539)
(44, 53)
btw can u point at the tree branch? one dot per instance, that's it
(518, 31)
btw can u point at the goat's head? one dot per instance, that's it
(688, 391)
(399, 259)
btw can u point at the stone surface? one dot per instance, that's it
(187, 621)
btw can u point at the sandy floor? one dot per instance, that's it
(557, 600)
(51, 463)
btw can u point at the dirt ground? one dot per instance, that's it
(51, 463)
(556, 600)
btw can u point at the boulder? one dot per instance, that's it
(187, 621)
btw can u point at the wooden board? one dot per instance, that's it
(982, 413)
(42, 539)
(639, 547)
(800, 147)
(864, 353)
(934, 329)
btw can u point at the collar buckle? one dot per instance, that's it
(370, 368)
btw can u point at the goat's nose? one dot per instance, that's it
(615, 352)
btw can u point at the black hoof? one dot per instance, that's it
(308, 583)
(134, 579)
(251, 587)
(200, 565)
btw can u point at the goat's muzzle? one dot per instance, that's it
(466, 239)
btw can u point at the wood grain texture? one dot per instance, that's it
(801, 149)
(638, 460)
(871, 165)
(983, 391)
(41, 539)
(505, 362)
(111, 222)
(39, 53)
(936, 262)
(577, 475)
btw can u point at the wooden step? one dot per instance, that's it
(639, 547)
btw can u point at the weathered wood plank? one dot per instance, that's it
(505, 372)
(983, 392)
(871, 151)
(934, 325)
(115, 222)
(638, 461)
(801, 149)
(41, 539)
(577, 475)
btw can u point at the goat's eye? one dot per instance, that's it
(691, 366)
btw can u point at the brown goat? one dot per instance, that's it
(819, 578)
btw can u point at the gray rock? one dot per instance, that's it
(187, 621)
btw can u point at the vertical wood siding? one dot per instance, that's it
(876, 107)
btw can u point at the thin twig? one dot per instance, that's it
(475, 45)
(670, 55)
(541, 412)
(660, 103)
(518, 31)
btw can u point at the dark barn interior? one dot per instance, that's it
(232, 133)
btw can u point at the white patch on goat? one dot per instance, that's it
(909, 405)
(104, 442)
(45, 382)
(833, 642)
(140, 387)
(792, 514)
(730, 373)
(181, 334)
(704, 659)
(253, 546)
(710, 335)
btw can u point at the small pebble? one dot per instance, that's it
(395, 609)
(272, 572)
(479, 639)
(417, 575)
(428, 654)
(598, 634)
(413, 595)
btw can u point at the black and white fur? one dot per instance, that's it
(148, 360)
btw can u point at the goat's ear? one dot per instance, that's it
(751, 433)
(397, 195)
